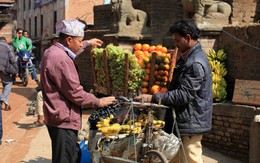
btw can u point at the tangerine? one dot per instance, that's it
(146, 60)
(146, 78)
(145, 47)
(155, 89)
(167, 66)
(137, 46)
(144, 90)
(163, 49)
(151, 49)
(158, 47)
(147, 71)
(145, 84)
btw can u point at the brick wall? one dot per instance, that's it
(231, 127)
(243, 57)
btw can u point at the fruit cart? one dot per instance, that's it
(142, 140)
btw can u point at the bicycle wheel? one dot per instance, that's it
(154, 156)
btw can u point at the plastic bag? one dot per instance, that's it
(166, 143)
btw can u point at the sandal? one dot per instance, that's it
(37, 125)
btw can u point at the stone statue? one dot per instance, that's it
(207, 12)
(127, 21)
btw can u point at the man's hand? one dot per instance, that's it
(144, 98)
(106, 101)
(95, 42)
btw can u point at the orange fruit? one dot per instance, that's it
(155, 73)
(145, 47)
(151, 49)
(138, 54)
(145, 84)
(147, 71)
(158, 77)
(137, 46)
(146, 53)
(167, 66)
(166, 73)
(156, 66)
(148, 65)
(146, 78)
(163, 49)
(163, 89)
(155, 89)
(146, 60)
(158, 47)
(166, 60)
(168, 55)
(144, 90)
(161, 72)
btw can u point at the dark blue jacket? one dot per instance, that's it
(190, 93)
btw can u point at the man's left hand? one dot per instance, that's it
(95, 42)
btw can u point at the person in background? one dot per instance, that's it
(26, 34)
(190, 93)
(62, 93)
(22, 43)
(8, 66)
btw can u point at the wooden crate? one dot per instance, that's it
(247, 92)
(152, 69)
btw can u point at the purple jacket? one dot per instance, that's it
(62, 93)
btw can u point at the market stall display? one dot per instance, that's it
(138, 138)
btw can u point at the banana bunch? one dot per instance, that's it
(219, 71)
(219, 55)
(158, 124)
(135, 128)
(211, 55)
(108, 129)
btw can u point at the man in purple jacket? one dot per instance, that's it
(62, 93)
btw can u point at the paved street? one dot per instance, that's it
(24, 145)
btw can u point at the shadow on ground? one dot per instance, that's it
(23, 91)
(37, 160)
(27, 126)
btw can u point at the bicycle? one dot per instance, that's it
(147, 153)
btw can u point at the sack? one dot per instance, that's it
(166, 143)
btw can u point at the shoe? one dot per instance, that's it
(7, 108)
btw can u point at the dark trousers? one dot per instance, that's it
(65, 148)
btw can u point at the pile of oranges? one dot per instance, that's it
(160, 76)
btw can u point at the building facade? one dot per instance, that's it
(6, 19)
(40, 16)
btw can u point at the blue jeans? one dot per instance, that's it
(7, 83)
(7, 86)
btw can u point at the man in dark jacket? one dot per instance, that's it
(8, 66)
(190, 92)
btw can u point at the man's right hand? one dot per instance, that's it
(106, 101)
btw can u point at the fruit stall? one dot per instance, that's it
(125, 74)
(147, 69)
